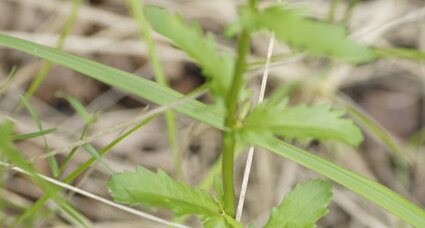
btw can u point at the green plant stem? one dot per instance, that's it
(230, 123)
(136, 7)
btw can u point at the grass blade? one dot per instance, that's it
(125, 81)
(52, 161)
(402, 53)
(8, 78)
(33, 134)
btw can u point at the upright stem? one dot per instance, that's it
(230, 123)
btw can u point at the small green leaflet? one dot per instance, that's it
(316, 37)
(216, 66)
(301, 122)
(158, 189)
(303, 206)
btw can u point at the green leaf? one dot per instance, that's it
(93, 152)
(158, 189)
(217, 67)
(301, 122)
(317, 37)
(33, 134)
(9, 77)
(133, 84)
(402, 53)
(302, 207)
(125, 81)
(34, 115)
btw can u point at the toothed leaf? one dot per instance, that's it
(316, 37)
(301, 122)
(303, 206)
(158, 189)
(216, 66)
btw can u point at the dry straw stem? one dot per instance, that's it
(95, 197)
(251, 150)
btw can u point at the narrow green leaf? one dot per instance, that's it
(52, 161)
(93, 152)
(217, 67)
(302, 122)
(125, 81)
(402, 53)
(9, 77)
(316, 37)
(153, 92)
(33, 134)
(158, 189)
(302, 207)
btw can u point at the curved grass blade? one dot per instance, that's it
(125, 81)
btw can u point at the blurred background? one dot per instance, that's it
(385, 97)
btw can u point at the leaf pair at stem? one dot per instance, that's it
(271, 118)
